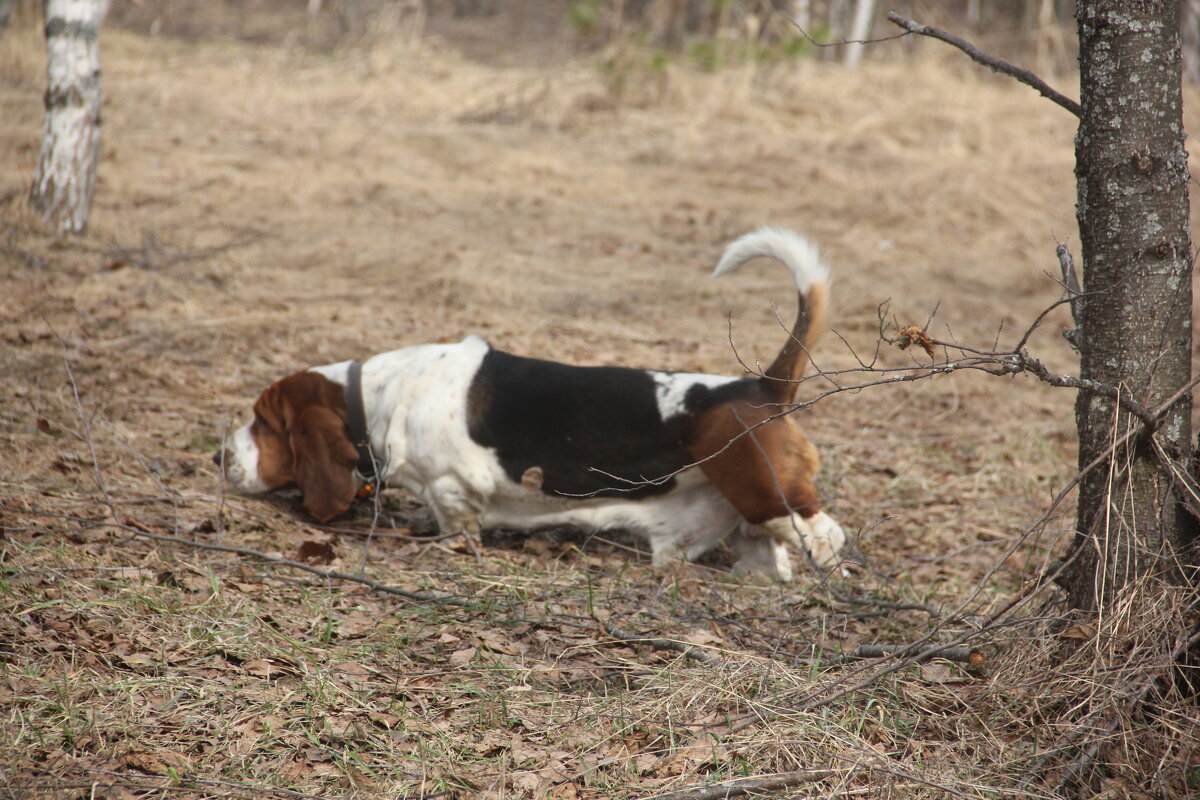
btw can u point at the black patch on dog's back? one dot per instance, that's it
(593, 431)
(700, 398)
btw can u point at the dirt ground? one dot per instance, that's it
(262, 207)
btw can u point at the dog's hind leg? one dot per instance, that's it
(454, 512)
(766, 468)
(757, 550)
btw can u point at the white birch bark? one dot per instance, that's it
(860, 28)
(66, 170)
(801, 14)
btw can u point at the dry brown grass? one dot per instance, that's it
(263, 208)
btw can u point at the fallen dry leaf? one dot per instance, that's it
(1080, 631)
(462, 657)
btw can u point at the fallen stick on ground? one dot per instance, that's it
(688, 650)
(328, 574)
(967, 655)
(770, 783)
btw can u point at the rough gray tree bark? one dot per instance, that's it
(1135, 321)
(66, 170)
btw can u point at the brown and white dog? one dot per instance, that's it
(490, 439)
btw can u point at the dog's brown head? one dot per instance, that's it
(298, 436)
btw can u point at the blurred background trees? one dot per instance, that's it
(1038, 32)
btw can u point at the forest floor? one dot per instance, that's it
(263, 207)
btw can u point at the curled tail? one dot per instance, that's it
(800, 256)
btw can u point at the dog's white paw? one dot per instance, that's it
(820, 535)
(824, 540)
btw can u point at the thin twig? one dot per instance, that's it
(968, 655)
(386, 534)
(421, 597)
(1070, 276)
(888, 604)
(1183, 480)
(995, 64)
(743, 786)
(703, 656)
(992, 362)
(97, 474)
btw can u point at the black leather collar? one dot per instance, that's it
(356, 419)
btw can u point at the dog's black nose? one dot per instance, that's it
(219, 457)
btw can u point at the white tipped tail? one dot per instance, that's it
(800, 256)
(795, 252)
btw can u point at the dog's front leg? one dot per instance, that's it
(665, 550)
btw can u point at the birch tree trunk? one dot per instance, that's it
(800, 12)
(860, 28)
(66, 170)
(1132, 208)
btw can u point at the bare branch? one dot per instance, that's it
(703, 656)
(1070, 279)
(844, 42)
(1028, 363)
(968, 655)
(771, 783)
(422, 597)
(995, 361)
(86, 422)
(996, 65)
(888, 604)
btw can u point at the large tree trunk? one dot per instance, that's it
(66, 170)
(1135, 321)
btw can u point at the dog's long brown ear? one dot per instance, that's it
(324, 462)
(305, 420)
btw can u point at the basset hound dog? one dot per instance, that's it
(490, 439)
